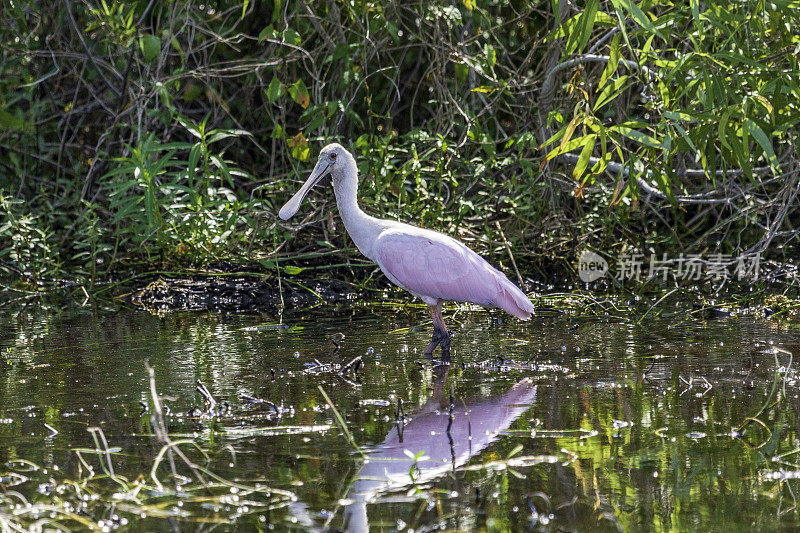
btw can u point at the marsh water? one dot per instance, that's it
(560, 423)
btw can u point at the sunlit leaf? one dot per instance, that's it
(570, 146)
(698, 25)
(299, 146)
(491, 55)
(292, 270)
(611, 91)
(292, 37)
(569, 131)
(267, 33)
(483, 89)
(764, 102)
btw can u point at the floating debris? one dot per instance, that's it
(381, 403)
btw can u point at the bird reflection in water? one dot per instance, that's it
(447, 432)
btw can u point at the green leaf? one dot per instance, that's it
(765, 103)
(568, 131)
(278, 132)
(763, 141)
(317, 121)
(394, 31)
(150, 45)
(638, 15)
(739, 150)
(565, 29)
(638, 136)
(613, 62)
(299, 146)
(176, 45)
(275, 90)
(9, 121)
(571, 145)
(299, 93)
(292, 270)
(491, 55)
(581, 33)
(583, 159)
(267, 33)
(483, 89)
(292, 37)
(696, 16)
(685, 136)
(194, 157)
(610, 92)
(223, 167)
(723, 125)
(218, 135)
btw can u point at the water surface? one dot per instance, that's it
(561, 423)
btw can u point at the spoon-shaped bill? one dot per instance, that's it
(290, 208)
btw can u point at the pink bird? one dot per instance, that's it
(431, 266)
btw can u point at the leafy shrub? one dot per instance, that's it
(170, 132)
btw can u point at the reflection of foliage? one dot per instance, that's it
(653, 468)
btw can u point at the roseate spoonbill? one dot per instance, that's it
(431, 266)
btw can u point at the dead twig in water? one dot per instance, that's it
(162, 435)
(206, 394)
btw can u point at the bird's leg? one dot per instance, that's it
(440, 334)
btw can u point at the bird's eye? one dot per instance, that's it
(333, 156)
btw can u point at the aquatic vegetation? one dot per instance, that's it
(179, 485)
(665, 425)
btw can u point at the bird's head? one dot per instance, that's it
(332, 159)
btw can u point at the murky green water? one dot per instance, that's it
(556, 424)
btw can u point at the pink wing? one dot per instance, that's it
(436, 267)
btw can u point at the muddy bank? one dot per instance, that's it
(252, 294)
(238, 288)
(241, 294)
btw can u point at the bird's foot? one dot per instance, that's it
(445, 344)
(435, 341)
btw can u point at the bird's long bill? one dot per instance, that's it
(290, 208)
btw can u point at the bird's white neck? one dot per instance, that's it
(363, 229)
